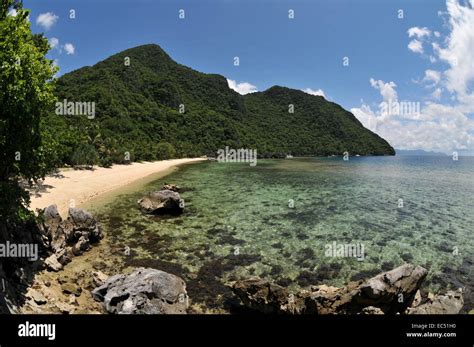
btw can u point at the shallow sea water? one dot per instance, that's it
(239, 221)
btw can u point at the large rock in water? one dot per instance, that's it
(162, 202)
(144, 291)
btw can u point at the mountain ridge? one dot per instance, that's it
(140, 106)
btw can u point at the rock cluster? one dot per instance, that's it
(67, 238)
(144, 291)
(395, 291)
(449, 303)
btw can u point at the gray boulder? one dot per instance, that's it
(162, 202)
(392, 291)
(144, 291)
(449, 303)
(263, 296)
(66, 238)
(51, 214)
(84, 224)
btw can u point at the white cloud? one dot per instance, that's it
(419, 35)
(318, 92)
(415, 46)
(46, 20)
(436, 94)
(387, 90)
(366, 116)
(12, 12)
(69, 48)
(459, 52)
(432, 76)
(418, 32)
(439, 126)
(242, 88)
(53, 42)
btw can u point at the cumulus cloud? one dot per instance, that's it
(439, 126)
(459, 52)
(433, 77)
(47, 20)
(387, 90)
(419, 35)
(318, 92)
(415, 46)
(69, 48)
(242, 88)
(442, 128)
(12, 12)
(418, 32)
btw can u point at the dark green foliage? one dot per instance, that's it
(138, 111)
(165, 150)
(26, 95)
(84, 155)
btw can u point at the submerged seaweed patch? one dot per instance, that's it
(365, 274)
(208, 286)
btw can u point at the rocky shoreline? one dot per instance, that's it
(79, 272)
(392, 292)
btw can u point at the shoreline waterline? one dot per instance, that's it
(86, 188)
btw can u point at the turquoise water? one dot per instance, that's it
(274, 220)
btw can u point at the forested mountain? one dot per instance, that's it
(139, 110)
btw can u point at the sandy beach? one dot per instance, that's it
(77, 187)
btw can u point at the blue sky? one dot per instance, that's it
(385, 64)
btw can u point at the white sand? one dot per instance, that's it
(78, 187)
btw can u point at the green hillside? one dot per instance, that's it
(137, 111)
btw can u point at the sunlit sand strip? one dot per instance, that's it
(79, 187)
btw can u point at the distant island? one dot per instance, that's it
(142, 103)
(418, 152)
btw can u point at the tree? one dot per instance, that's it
(85, 155)
(165, 150)
(26, 95)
